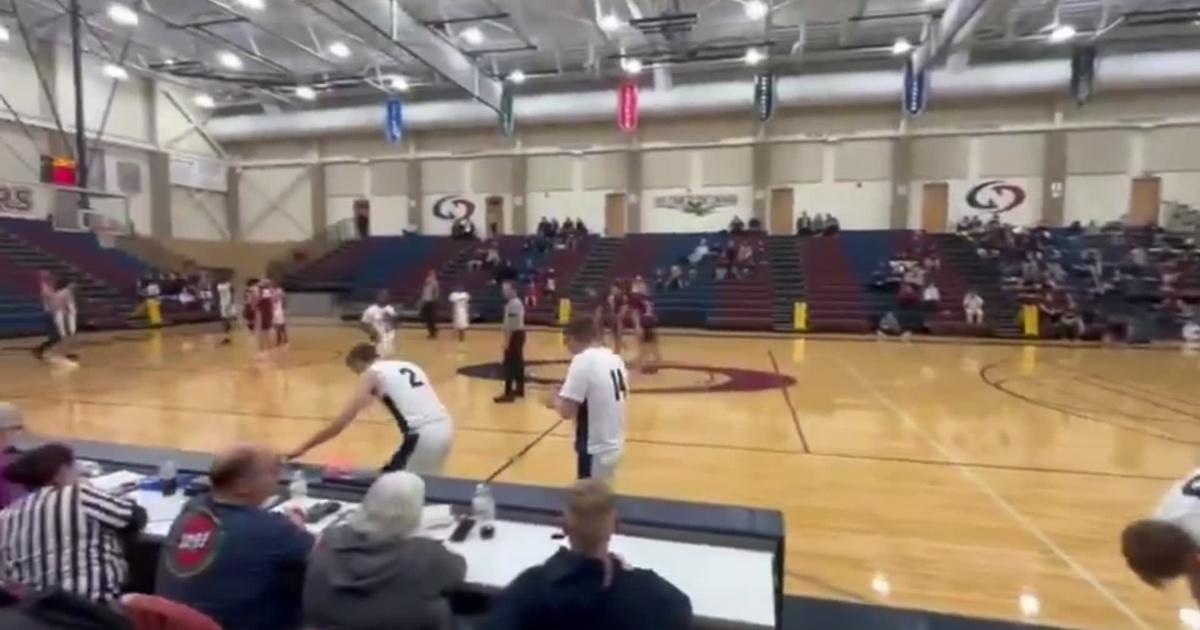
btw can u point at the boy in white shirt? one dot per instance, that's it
(460, 300)
(973, 307)
(379, 322)
(595, 394)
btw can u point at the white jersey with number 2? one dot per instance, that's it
(406, 391)
(1181, 505)
(598, 381)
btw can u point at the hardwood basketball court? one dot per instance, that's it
(949, 476)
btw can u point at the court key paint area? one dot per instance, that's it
(984, 480)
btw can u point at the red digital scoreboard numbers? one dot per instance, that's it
(60, 171)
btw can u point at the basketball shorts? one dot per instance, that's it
(64, 322)
(602, 466)
(424, 449)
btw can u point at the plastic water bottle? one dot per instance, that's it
(168, 474)
(298, 488)
(483, 505)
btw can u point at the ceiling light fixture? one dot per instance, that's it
(902, 47)
(122, 15)
(756, 9)
(4, 34)
(472, 35)
(398, 83)
(517, 76)
(115, 72)
(257, 5)
(1062, 33)
(204, 101)
(229, 60)
(609, 22)
(338, 49)
(305, 92)
(754, 56)
(631, 65)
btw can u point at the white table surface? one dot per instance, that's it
(724, 583)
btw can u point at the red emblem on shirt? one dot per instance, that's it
(199, 540)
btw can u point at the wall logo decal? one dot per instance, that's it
(696, 205)
(16, 199)
(453, 208)
(995, 196)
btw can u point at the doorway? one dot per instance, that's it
(783, 210)
(494, 212)
(615, 211)
(1145, 198)
(935, 206)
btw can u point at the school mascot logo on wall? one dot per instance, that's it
(453, 208)
(695, 205)
(995, 196)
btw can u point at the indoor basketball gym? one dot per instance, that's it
(942, 473)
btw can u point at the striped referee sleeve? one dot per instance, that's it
(115, 512)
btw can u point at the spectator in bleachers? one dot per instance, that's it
(554, 228)
(1070, 322)
(973, 307)
(229, 558)
(586, 587)
(463, 229)
(745, 257)
(699, 253)
(931, 296)
(755, 225)
(803, 224)
(568, 226)
(12, 421)
(832, 225)
(1051, 308)
(374, 572)
(1092, 228)
(660, 279)
(65, 534)
(580, 228)
(491, 258)
(676, 280)
(818, 224)
(737, 226)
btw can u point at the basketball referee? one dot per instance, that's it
(514, 346)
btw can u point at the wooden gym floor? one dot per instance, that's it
(946, 476)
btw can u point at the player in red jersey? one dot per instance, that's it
(264, 307)
(614, 310)
(640, 314)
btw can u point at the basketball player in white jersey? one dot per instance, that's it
(379, 321)
(460, 300)
(227, 308)
(1167, 545)
(595, 394)
(406, 391)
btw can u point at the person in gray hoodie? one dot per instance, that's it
(371, 573)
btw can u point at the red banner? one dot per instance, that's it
(627, 106)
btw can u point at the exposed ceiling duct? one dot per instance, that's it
(1141, 70)
(959, 20)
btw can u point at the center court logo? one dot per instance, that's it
(995, 196)
(453, 208)
(703, 378)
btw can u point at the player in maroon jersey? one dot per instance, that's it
(614, 311)
(264, 307)
(640, 314)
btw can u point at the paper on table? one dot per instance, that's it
(114, 481)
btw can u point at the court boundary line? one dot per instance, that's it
(1004, 504)
(787, 399)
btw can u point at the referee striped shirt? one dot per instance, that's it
(67, 538)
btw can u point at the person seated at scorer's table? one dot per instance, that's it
(1166, 546)
(12, 421)
(229, 558)
(587, 587)
(374, 573)
(65, 534)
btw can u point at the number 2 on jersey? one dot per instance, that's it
(620, 390)
(1192, 487)
(413, 381)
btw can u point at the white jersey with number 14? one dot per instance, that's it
(598, 381)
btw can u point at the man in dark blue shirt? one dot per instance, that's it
(586, 587)
(232, 560)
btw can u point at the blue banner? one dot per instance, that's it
(916, 89)
(394, 121)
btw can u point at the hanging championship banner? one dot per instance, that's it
(764, 96)
(627, 106)
(394, 121)
(1083, 73)
(508, 123)
(916, 89)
